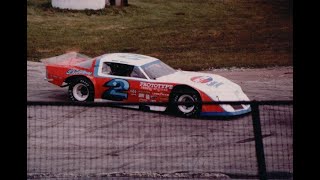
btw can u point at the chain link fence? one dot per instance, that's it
(96, 140)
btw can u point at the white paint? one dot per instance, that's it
(127, 58)
(158, 108)
(79, 4)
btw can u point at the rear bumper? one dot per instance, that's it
(49, 80)
(244, 111)
(57, 82)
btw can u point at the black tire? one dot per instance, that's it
(185, 110)
(81, 90)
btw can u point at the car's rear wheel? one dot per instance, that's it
(192, 99)
(81, 89)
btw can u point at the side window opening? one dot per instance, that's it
(121, 70)
(106, 69)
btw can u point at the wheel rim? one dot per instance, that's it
(186, 108)
(80, 92)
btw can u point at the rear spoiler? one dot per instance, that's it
(65, 57)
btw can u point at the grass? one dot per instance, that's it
(186, 34)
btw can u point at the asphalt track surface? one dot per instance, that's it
(104, 142)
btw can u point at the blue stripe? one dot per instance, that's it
(225, 113)
(96, 67)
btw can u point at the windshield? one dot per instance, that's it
(157, 69)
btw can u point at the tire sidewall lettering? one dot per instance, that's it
(85, 83)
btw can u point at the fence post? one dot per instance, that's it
(258, 141)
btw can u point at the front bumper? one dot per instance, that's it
(244, 111)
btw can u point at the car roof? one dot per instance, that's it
(127, 58)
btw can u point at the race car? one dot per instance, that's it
(134, 78)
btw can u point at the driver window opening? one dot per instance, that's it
(106, 69)
(117, 69)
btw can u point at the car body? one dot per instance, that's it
(133, 78)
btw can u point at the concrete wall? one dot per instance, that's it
(79, 4)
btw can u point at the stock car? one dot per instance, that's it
(133, 78)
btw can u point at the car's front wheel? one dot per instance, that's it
(192, 107)
(81, 89)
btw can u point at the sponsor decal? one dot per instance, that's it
(133, 56)
(76, 71)
(206, 79)
(201, 79)
(161, 94)
(214, 84)
(147, 96)
(146, 85)
(144, 96)
(133, 92)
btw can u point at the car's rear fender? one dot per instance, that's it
(59, 74)
(56, 74)
(72, 78)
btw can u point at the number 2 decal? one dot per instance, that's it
(117, 90)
